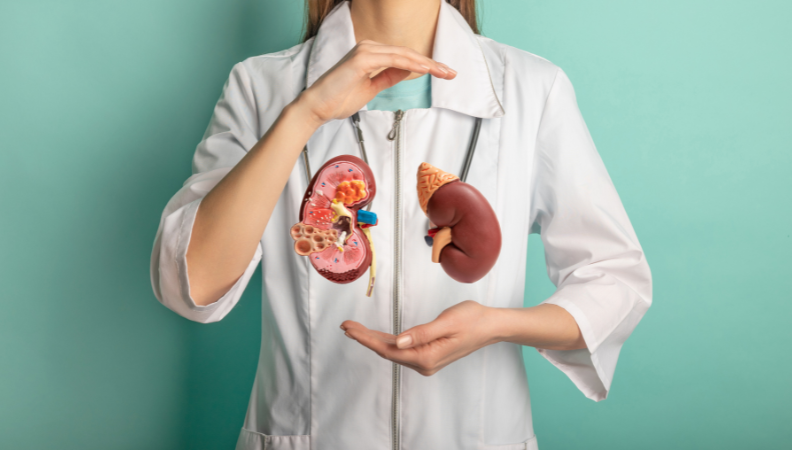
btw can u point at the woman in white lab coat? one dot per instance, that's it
(455, 378)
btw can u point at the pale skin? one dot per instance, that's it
(394, 43)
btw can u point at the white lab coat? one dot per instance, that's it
(535, 163)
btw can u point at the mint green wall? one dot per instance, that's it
(102, 103)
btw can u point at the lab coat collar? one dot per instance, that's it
(475, 91)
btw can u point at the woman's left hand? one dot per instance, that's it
(457, 332)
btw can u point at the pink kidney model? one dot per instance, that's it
(333, 228)
(466, 240)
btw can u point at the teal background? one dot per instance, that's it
(103, 102)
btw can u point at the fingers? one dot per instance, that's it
(351, 327)
(388, 78)
(426, 333)
(373, 61)
(426, 361)
(381, 343)
(373, 56)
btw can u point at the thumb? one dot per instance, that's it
(388, 78)
(423, 334)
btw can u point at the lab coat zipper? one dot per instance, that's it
(395, 134)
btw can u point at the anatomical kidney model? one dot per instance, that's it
(466, 240)
(333, 228)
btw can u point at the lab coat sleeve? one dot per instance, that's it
(230, 134)
(592, 253)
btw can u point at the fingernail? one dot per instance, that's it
(342, 327)
(348, 335)
(403, 341)
(442, 69)
(447, 69)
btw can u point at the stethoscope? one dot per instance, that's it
(355, 118)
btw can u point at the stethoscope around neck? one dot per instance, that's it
(355, 118)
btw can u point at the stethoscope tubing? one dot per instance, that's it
(355, 118)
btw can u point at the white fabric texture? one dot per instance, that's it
(537, 166)
(593, 255)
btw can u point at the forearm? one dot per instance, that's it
(232, 217)
(543, 326)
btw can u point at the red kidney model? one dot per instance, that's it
(333, 228)
(467, 238)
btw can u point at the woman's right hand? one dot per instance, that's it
(347, 86)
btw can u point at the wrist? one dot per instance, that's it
(300, 110)
(292, 129)
(298, 122)
(510, 324)
(496, 320)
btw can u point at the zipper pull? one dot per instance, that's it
(395, 129)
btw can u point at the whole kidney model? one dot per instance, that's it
(466, 240)
(333, 228)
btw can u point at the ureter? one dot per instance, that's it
(441, 239)
(373, 268)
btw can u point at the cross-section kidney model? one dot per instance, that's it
(333, 229)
